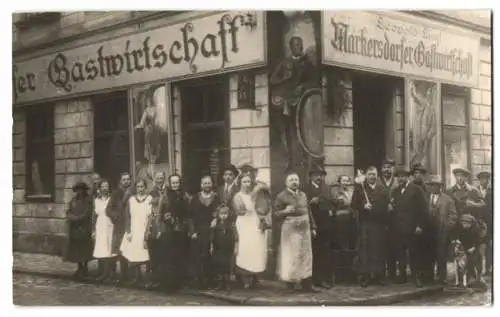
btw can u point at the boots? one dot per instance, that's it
(136, 276)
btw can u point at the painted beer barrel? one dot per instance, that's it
(309, 122)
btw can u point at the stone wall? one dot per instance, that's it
(339, 137)
(249, 137)
(481, 114)
(41, 227)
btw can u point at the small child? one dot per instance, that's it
(468, 233)
(223, 247)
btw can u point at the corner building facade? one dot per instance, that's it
(190, 92)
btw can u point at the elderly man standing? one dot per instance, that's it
(295, 258)
(408, 219)
(442, 220)
(371, 200)
(388, 181)
(321, 210)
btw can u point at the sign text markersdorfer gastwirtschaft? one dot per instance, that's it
(63, 73)
(454, 61)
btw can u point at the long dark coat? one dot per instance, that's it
(442, 220)
(320, 211)
(116, 211)
(227, 198)
(199, 248)
(80, 246)
(372, 224)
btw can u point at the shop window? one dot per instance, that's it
(455, 130)
(205, 109)
(40, 161)
(111, 145)
(150, 120)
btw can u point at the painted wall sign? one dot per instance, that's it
(214, 43)
(400, 44)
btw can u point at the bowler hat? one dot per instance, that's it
(434, 179)
(388, 162)
(418, 167)
(80, 185)
(231, 168)
(483, 174)
(317, 170)
(461, 170)
(401, 172)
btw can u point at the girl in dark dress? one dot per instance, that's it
(224, 239)
(203, 210)
(80, 245)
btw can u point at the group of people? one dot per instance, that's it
(205, 239)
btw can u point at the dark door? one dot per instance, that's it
(111, 147)
(371, 98)
(205, 113)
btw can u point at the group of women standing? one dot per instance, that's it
(195, 240)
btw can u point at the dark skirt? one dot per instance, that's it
(79, 250)
(199, 256)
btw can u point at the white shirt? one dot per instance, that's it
(315, 185)
(404, 188)
(434, 199)
(227, 187)
(483, 191)
(372, 186)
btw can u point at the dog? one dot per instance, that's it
(460, 260)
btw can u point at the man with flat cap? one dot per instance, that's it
(408, 219)
(320, 204)
(418, 172)
(467, 198)
(442, 220)
(388, 181)
(486, 193)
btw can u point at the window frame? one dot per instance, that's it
(456, 92)
(34, 113)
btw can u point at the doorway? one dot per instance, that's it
(372, 118)
(205, 117)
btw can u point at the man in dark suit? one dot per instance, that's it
(388, 181)
(442, 220)
(229, 188)
(370, 200)
(408, 219)
(321, 208)
(486, 216)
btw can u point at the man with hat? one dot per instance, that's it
(408, 219)
(229, 188)
(467, 198)
(321, 209)
(79, 245)
(468, 233)
(388, 181)
(418, 172)
(442, 219)
(486, 193)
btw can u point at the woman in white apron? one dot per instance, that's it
(251, 254)
(103, 232)
(134, 247)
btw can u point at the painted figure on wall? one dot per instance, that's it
(423, 105)
(293, 77)
(150, 137)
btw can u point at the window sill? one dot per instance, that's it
(39, 198)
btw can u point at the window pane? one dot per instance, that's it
(455, 151)
(215, 102)
(40, 152)
(454, 110)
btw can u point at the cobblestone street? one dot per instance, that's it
(448, 298)
(42, 291)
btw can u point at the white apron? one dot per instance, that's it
(103, 230)
(295, 252)
(134, 250)
(252, 245)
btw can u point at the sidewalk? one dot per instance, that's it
(269, 293)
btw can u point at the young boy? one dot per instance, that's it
(468, 232)
(224, 240)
